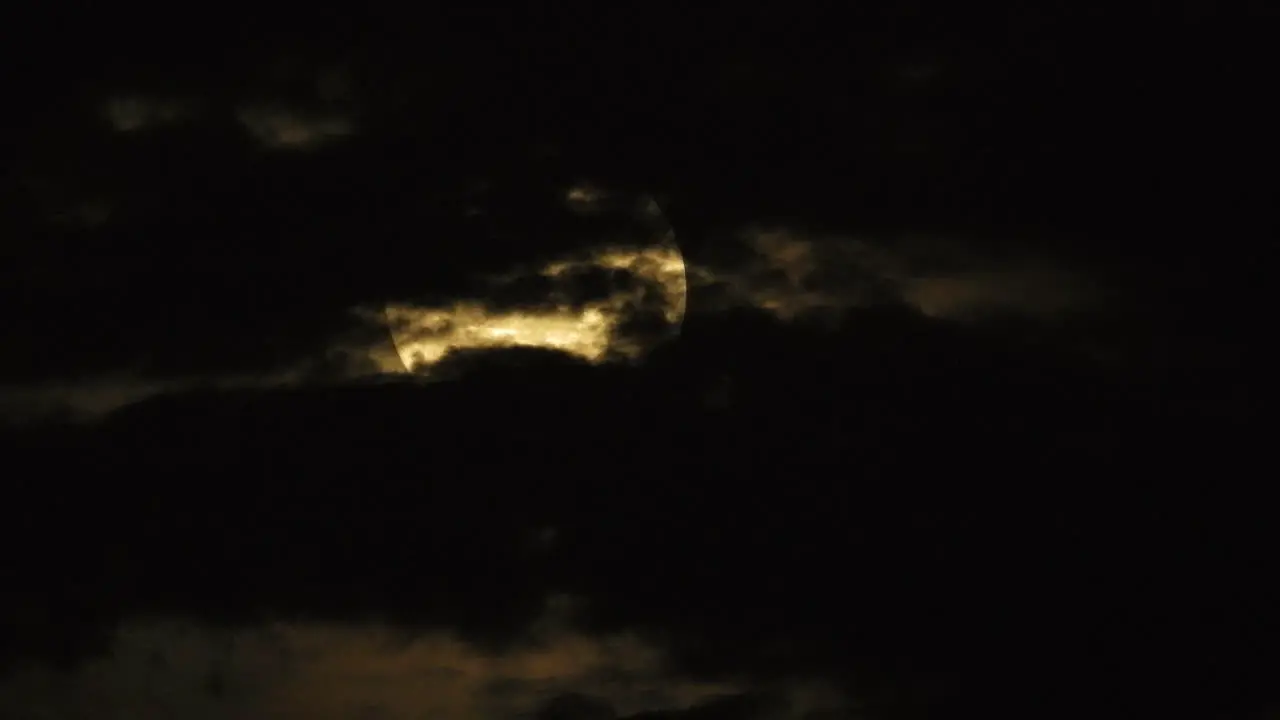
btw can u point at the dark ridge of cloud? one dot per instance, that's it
(575, 706)
(589, 284)
(513, 364)
(740, 706)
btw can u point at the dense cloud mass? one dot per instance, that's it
(475, 366)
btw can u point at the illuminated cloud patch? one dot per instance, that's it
(640, 301)
(791, 274)
(277, 127)
(79, 401)
(1025, 288)
(91, 399)
(132, 113)
(639, 298)
(652, 278)
(174, 668)
(425, 335)
(585, 197)
(596, 330)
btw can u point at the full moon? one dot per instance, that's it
(615, 298)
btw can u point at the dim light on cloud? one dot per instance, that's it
(169, 667)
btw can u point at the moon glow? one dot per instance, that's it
(647, 289)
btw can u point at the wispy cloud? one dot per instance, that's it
(791, 274)
(132, 113)
(176, 668)
(279, 127)
(91, 399)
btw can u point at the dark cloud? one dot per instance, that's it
(513, 364)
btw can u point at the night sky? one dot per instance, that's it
(889, 362)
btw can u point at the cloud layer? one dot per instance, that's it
(289, 669)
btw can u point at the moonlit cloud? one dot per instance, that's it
(90, 399)
(280, 128)
(788, 274)
(83, 400)
(1027, 288)
(175, 668)
(424, 335)
(644, 276)
(584, 197)
(792, 274)
(651, 279)
(131, 113)
(427, 334)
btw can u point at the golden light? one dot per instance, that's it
(424, 334)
